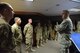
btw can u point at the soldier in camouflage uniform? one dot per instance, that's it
(28, 32)
(45, 33)
(38, 31)
(50, 31)
(6, 37)
(65, 29)
(78, 26)
(16, 29)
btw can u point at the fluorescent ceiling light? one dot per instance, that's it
(74, 10)
(76, 0)
(29, 0)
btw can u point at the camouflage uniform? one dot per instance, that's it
(65, 29)
(28, 32)
(50, 32)
(17, 36)
(45, 34)
(38, 31)
(78, 27)
(6, 38)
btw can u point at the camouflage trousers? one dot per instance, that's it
(17, 49)
(65, 43)
(44, 38)
(29, 43)
(39, 39)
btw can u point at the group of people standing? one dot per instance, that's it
(42, 34)
(11, 36)
(28, 32)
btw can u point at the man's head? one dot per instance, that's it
(6, 11)
(17, 20)
(45, 24)
(30, 20)
(65, 14)
(39, 24)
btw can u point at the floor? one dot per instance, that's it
(49, 47)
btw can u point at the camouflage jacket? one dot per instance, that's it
(38, 30)
(17, 33)
(6, 37)
(28, 30)
(66, 26)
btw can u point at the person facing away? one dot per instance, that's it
(16, 29)
(6, 36)
(65, 29)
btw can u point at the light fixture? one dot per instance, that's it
(74, 10)
(76, 0)
(29, 0)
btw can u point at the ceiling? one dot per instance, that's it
(46, 7)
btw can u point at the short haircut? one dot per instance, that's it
(66, 11)
(29, 19)
(16, 18)
(3, 6)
